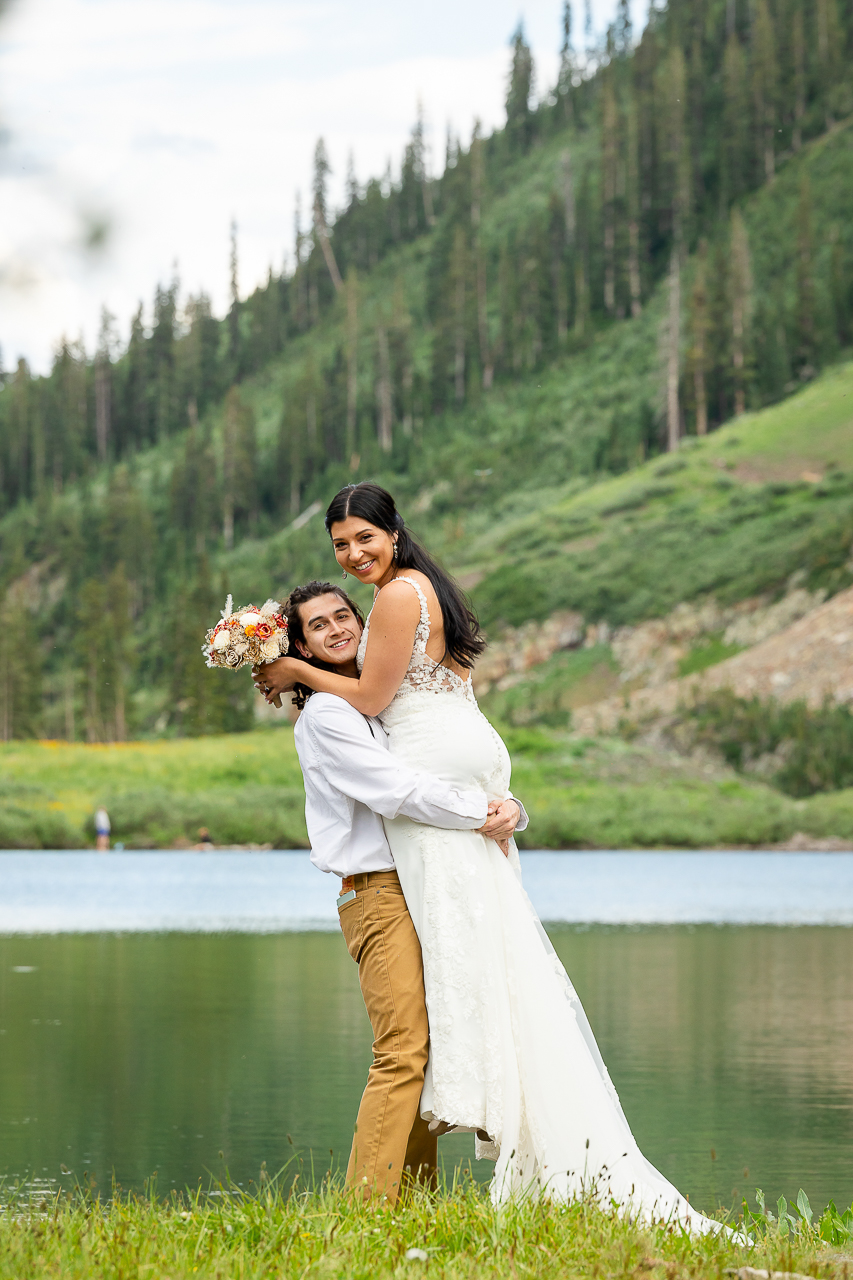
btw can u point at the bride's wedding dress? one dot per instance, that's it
(512, 1053)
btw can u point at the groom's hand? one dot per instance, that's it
(502, 820)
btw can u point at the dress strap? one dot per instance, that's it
(423, 626)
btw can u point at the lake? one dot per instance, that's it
(157, 1010)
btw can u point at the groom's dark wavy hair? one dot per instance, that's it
(462, 636)
(296, 631)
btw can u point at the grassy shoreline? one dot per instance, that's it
(247, 789)
(455, 1233)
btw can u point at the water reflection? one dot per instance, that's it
(150, 1053)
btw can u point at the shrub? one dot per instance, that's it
(815, 747)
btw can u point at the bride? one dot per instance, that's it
(513, 1057)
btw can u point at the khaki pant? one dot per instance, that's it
(392, 1144)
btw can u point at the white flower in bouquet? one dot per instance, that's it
(247, 636)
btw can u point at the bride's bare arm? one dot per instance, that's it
(393, 624)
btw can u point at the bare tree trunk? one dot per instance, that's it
(352, 364)
(92, 734)
(581, 297)
(102, 408)
(229, 466)
(486, 362)
(634, 267)
(561, 298)
(408, 387)
(459, 314)
(70, 728)
(738, 356)
(799, 47)
(322, 234)
(699, 334)
(741, 280)
(383, 393)
(569, 197)
(609, 263)
(673, 412)
(429, 212)
(121, 725)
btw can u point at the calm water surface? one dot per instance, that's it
(144, 1052)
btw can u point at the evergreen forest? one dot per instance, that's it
(656, 244)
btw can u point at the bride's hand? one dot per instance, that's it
(276, 677)
(502, 820)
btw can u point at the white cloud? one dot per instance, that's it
(170, 117)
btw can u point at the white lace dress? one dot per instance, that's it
(512, 1053)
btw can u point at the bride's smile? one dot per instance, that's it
(364, 550)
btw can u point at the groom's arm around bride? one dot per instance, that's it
(351, 782)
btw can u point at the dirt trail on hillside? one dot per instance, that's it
(810, 660)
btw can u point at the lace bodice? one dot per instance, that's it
(424, 674)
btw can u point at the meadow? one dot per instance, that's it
(457, 1234)
(246, 788)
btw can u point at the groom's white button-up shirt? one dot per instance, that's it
(352, 781)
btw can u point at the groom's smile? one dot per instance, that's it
(331, 629)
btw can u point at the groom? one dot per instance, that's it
(352, 782)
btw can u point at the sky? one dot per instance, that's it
(134, 131)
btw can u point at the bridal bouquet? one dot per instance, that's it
(247, 637)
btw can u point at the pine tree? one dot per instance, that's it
(672, 90)
(352, 367)
(622, 29)
(741, 303)
(477, 180)
(20, 668)
(519, 118)
(203, 700)
(805, 317)
(322, 169)
(699, 337)
(384, 395)
(567, 73)
(735, 165)
(632, 201)
(798, 49)
(458, 277)
(829, 49)
(234, 310)
(103, 383)
(609, 162)
(765, 87)
(239, 477)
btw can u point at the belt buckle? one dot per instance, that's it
(345, 897)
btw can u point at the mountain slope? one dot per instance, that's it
(507, 487)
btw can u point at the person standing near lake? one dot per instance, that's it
(102, 830)
(352, 782)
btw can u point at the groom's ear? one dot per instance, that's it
(306, 653)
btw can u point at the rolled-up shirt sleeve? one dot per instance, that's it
(523, 820)
(366, 771)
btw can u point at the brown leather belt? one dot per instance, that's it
(350, 883)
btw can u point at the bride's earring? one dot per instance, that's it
(395, 548)
(344, 575)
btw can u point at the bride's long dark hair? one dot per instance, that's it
(462, 636)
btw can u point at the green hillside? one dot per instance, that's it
(493, 344)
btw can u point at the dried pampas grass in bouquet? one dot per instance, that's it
(247, 637)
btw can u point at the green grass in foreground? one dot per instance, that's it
(324, 1233)
(247, 789)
